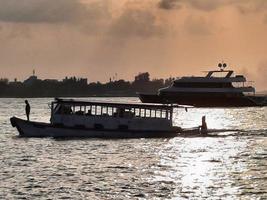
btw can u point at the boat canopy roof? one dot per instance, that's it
(115, 105)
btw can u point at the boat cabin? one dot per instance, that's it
(111, 116)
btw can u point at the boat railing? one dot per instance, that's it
(243, 84)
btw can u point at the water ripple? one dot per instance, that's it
(230, 166)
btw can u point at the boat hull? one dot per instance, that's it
(205, 100)
(38, 129)
(151, 98)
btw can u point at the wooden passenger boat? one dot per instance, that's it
(73, 118)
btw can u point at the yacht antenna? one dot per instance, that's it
(222, 66)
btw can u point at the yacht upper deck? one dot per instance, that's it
(214, 76)
(211, 77)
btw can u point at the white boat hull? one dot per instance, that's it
(38, 129)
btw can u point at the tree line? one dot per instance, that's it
(79, 87)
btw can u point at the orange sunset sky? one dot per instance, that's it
(98, 38)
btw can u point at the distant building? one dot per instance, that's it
(83, 81)
(31, 80)
(74, 80)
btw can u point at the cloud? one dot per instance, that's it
(169, 4)
(91, 17)
(205, 5)
(136, 23)
(248, 7)
(197, 26)
(244, 6)
(261, 73)
(257, 73)
(47, 11)
(208, 5)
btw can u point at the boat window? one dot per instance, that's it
(63, 109)
(163, 114)
(92, 110)
(104, 111)
(123, 113)
(89, 112)
(142, 112)
(79, 112)
(98, 110)
(137, 112)
(203, 84)
(112, 111)
(153, 113)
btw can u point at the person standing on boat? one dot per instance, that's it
(27, 109)
(204, 128)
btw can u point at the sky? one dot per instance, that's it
(97, 39)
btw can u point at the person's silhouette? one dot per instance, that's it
(204, 128)
(27, 110)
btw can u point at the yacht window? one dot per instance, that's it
(203, 84)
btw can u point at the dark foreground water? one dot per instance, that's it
(230, 166)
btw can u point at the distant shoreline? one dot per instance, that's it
(67, 96)
(79, 87)
(89, 96)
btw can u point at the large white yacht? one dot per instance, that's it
(219, 88)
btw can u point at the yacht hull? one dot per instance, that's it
(39, 129)
(205, 100)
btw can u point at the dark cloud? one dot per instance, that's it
(206, 5)
(136, 23)
(46, 11)
(243, 6)
(169, 4)
(92, 18)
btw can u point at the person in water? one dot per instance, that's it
(27, 109)
(203, 127)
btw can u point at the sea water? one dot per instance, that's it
(232, 165)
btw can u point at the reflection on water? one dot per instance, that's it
(232, 167)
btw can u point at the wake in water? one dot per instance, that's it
(222, 133)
